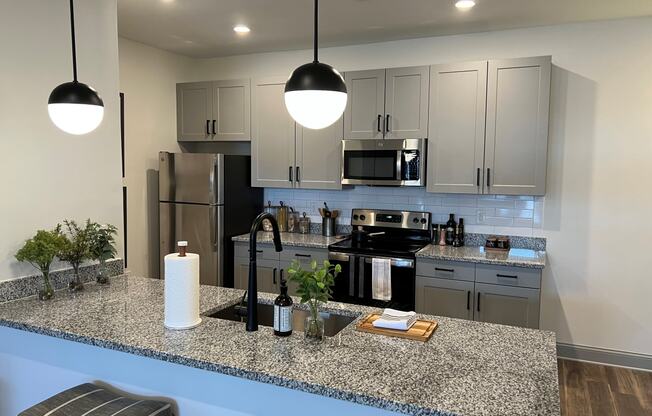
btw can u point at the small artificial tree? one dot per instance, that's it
(76, 249)
(102, 247)
(40, 251)
(314, 287)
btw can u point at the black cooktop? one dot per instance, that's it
(399, 247)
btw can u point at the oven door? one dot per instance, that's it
(353, 284)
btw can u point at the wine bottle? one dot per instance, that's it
(450, 229)
(460, 232)
(283, 312)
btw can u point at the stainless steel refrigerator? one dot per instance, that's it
(206, 199)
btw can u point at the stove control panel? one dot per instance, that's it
(412, 220)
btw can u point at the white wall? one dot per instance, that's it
(597, 285)
(49, 175)
(147, 78)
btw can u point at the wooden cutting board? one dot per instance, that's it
(421, 330)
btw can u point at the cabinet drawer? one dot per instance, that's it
(508, 276)
(264, 251)
(446, 269)
(303, 254)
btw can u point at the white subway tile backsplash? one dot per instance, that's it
(500, 214)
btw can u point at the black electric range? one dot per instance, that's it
(395, 235)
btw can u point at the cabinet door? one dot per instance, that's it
(231, 110)
(507, 305)
(267, 273)
(319, 157)
(456, 132)
(194, 111)
(283, 273)
(518, 97)
(406, 103)
(273, 136)
(452, 298)
(365, 104)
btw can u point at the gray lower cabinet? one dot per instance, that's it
(488, 293)
(214, 110)
(267, 275)
(444, 297)
(507, 305)
(283, 153)
(272, 266)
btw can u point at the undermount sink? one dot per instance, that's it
(333, 323)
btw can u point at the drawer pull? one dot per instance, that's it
(468, 300)
(478, 302)
(257, 251)
(445, 270)
(303, 255)
(509, 276)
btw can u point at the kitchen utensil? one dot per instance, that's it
(267, 226)
(293, 221)
(304, 224)
(335, 213)
(328, 226)
(327, 211)
(282, 217)
(422, 330)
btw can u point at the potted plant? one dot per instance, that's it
(102, 247)
(40, 251)
(75, 249)
(314, 287)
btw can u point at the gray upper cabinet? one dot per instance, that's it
(406, 103)
(319, 157)
(517, 126)
(444, 297)
(507, 305)
(390, 103)
(194, 111)
(231, 110)
(273, 136)
(456, 133)
(365, 105)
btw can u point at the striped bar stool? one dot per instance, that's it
(92, 400)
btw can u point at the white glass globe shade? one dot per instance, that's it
(315, 109)
(76, 118)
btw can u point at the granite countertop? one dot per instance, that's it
(466, 368)
(517, 257)
(293, 239)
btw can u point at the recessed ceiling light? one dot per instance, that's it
(241, 29)
(464, 4)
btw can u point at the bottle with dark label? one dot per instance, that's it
(283, 312)
(450, 229)
(460, 232)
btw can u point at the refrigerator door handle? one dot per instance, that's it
(212, 219)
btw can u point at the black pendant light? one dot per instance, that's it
(75, 107)
(315, 93)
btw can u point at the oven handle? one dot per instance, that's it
(394, 261)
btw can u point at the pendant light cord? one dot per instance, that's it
(74, 47)
(315, 29)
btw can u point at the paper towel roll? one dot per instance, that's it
(182, 291)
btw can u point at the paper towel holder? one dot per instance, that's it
(182, 248)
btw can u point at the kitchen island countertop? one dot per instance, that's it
(466, 368)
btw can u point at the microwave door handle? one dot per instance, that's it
(399, 165)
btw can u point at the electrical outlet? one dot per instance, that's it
(481, 217)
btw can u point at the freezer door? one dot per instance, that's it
(191, 177)
(201, 226)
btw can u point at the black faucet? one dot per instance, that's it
(252, 292)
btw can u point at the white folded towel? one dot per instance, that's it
(381, 279)
(393, 319)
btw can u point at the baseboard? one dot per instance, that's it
(604, 356)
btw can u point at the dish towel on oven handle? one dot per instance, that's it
(381, 279)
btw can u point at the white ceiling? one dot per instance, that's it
(204, 28)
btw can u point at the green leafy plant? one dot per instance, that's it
(314, 285)
(40, 251)
(102, 241)
(76, 248)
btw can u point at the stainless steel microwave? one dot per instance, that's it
(388, 162)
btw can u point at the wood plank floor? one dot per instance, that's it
(597, 390)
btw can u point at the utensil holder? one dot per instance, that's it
(328, 226)
(304, 225)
